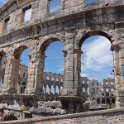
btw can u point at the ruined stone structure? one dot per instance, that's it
(108, 92)
(75, 22)
(52, 85)
(102, 92)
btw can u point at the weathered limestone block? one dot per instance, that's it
(40, 103)
(4, 105)
(67, 4)
(35, 7)
(71, 72)
(49, 111)
(1, 27)
(43, 8)
(59, 111)
(52, 104)
(11, 76)
(121, 71)
(106, 2)
(49, 108)
(34, 84)
(121, 53)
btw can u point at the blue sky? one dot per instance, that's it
(2, 2)
(54, 61)
(97, 60)
(55, 3)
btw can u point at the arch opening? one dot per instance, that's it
(52, 52)
(97, 64)
(22, 56)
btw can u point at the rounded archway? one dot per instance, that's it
(53, 61)
(22, 57)
(97, 60)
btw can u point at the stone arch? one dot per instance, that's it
(83, 35)
(46, 40)
(21, 86)
(43, 43)
(18, 51)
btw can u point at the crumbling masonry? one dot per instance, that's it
(75, 22)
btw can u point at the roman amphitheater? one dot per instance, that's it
(72, 24)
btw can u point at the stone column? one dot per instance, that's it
(59, 90)
(50, 91)
(71, 70)
(43, 8)
(54, 89)
(11, 75)
(69, 94)
(117, 72)
(120, 79)
(35, 73)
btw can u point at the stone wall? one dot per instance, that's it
(115, 116)
(72, 25)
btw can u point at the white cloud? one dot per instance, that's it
(111, 76)
(97, 54)
(84, 75)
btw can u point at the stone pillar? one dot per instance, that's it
(69, 94)
(50, 91)
(2, 68)
(120, 79)
(54, 89)
(59, 91)
(11, 75)
(35, 73)
(71, 71)
(118, 72)
(43, 8)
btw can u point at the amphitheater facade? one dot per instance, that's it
(72, 24)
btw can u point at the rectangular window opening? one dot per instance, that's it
(6, 23)
(27, 13)
(55, 6)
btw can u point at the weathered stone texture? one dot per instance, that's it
(75, 22)
(68, 4)
(99, 117)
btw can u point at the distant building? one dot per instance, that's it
(84, 87)
(94, 89)
(102, 92)
(109, 91)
